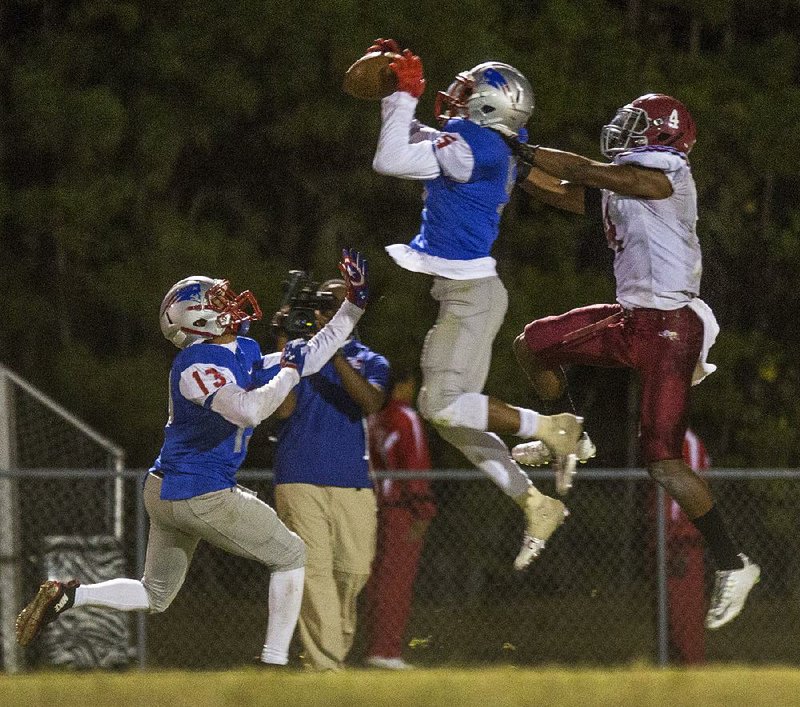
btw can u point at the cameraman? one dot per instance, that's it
(323, 488)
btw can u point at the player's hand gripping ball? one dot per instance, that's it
(370, 78)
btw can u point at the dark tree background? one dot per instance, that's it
(143, 141)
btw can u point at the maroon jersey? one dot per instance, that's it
(397, 441)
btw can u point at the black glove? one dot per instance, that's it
(524, 154)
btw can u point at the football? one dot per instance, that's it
(370, 78)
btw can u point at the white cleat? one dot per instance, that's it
(731, 588)
(564, 471)
(377, 661)
(543, 515)
(536, 453)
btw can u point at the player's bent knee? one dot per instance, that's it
(665, 469)
(467, 410)
(159, 598)
(520, 348)
(293, 558)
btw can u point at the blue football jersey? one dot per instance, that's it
(461, 220)
(323, 442)
(203, 451)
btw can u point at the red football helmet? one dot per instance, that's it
(652, 119)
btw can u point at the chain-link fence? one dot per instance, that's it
(37, 433)
(600, 594)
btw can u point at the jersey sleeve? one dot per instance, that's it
(666, 159)
(420, 132)
(199, 381)
(411, 447)
(455, 156)
(411, 452)
(376, 371)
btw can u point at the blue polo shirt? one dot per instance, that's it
(323, 442)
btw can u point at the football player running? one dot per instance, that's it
(658, 326)
(219, 392)
(469, 170)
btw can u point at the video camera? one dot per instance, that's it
(301, 300)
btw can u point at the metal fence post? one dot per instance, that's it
(9, 532)
(141, 550)
(662, 612)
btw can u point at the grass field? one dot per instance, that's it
(635, 686)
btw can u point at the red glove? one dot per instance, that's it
(354, 271)
(384, 45)
(410, 78)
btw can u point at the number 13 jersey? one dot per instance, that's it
(203, 451)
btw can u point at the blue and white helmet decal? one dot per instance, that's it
(501, 97)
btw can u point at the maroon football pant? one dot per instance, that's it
(391, 585)
(661, 345)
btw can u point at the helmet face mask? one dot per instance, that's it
(626, 130)
(652, 119)
(199, 308)
(492, 94)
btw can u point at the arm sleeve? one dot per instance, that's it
(376, 371)
(420, 132)
(396, 155)
(328, 340)
(411, 452)
(247, 408)
(412, 445)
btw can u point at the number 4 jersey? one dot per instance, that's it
(203, 451)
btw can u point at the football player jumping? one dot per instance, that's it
(469, 170)
(659, 326)
(219, 392)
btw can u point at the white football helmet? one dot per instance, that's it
(492, 94)
(198, 307)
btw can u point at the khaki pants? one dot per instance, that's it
(339, 527)
(232, 519)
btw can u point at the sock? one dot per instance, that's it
(715, 533)
(285, 596)
(120, 594)
(528, 422)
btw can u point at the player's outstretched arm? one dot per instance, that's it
(248, 408)
(397, 154)
(624, 179)
(554, 192)
(328, 340)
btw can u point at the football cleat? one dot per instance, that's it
(377, 661)
(561, 434)
(537, 453)
(543, 515)
(731, 588)
(52, 599)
